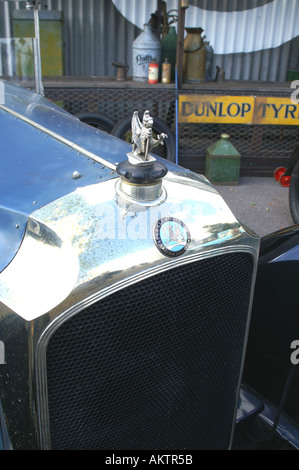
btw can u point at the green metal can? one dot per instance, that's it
(223, 162)
(51, 37)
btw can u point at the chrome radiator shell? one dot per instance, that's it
(90, 245)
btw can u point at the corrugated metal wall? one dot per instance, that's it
(252, 39)
(95, 34)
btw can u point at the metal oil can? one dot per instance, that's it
(223, 162)
(195, 54)
(166, 72)
(145, 48)
(153, 72)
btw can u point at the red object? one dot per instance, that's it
(153, 72)
(285, 180)
(279, 172)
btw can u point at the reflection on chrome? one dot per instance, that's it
(103, 240)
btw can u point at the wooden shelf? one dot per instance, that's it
(237, 86)
(226, 86)
(100, 82)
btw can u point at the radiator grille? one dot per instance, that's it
(155, 365)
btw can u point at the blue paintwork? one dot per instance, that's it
(54, 118)
(4, 438)
(249, 405)
(37, 169)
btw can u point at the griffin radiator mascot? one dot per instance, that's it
(142, 138)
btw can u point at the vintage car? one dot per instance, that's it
(126, 291)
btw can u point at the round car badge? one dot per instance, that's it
(171, 236)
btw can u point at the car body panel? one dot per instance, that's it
(64, 163)
(69, 240)
(275, 320)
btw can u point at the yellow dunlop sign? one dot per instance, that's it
(280, 111)
(237, 110)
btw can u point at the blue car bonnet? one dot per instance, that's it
(40, 152)
(37, 168)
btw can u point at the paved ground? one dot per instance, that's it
(260, 203)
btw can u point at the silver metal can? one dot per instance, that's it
(146, 47)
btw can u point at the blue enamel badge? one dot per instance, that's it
(171, 236)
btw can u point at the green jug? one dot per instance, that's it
(168, 49)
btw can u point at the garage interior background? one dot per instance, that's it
(256, 42)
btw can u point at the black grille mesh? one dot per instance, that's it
(155, 365)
